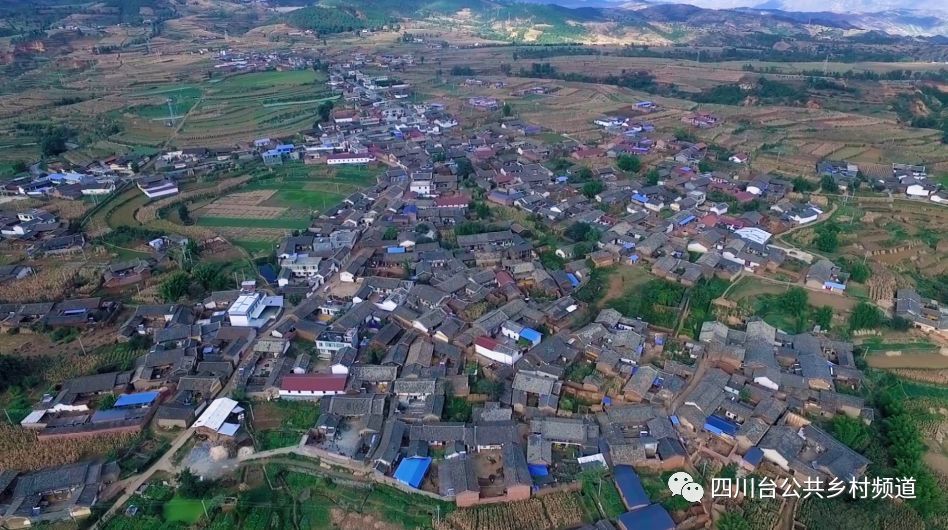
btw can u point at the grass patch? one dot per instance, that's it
(601, 489)
(259, 80)
(277, 439)
(181, 510)
(254, 246)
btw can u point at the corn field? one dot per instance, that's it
(48, 283)
(21, 450)
(558, 510)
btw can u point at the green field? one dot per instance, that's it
(260, 80)
(179, 509)
(254, 246)
(234, 222)
(181, 99)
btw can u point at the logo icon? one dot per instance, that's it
(682, 484)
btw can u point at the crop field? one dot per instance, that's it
(558, 510)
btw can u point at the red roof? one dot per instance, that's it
(346, 156)
(486, 342)
(503, 278)
(453, 200)
(314, 382)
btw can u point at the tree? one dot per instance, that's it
(851, 431)
(794, 301)
(859, 272)
(652, 177)
(826, 239)
(865, 316)
(629, 163)
(705, 167)
(578, 231)
(823, 316)
(53, 141)
(583, 174)
(324, 110)
(183, 214)
(391, 233)
(802, 185)
(828, 184)
(593, 188)
(191, 486)
(421, 228)
(174, 287)
(551, 261)
(507, 110)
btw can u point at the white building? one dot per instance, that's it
(254, 310)
(349, 158)
(496, 351)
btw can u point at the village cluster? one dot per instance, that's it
(415, 300)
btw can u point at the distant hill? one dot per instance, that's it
(592, 21)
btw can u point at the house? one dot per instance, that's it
(496, 351)
(652, 517)
(312, 386)
(54, 494)
(825, 275)
(254, 309)
(126, 273)
(221, 420)
(925, 313)
(349, 158)
(155, 187)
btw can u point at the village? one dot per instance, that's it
(455, 324)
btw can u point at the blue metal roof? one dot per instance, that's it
(834, 285)
(411, 471)
(395, 250)
(630, 486)
(754, 456)
(719, 425)
(674, 420)
(639, 197)
(531, 335)
(572, 279)
(134, 400)
(686, 220)
(653, 517)
(538, 470)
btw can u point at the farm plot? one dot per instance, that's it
(558, 510)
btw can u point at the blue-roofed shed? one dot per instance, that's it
(638, 197)
(538, 470)
(630, 487)
(531, 335)
(411, 471)
(686, 220)
(395, 250)
(754, 456)
(720, 426)
(139, 399)
(653, 517)
(572, 279)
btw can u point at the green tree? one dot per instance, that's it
(851, 431)
(828, 184)
(794, 301)
(865, 316)
(629, 163)
(827, 240)
(583, 174)
(859, 271)
(652, 177)
(802, 185)
(325, 111)
(507, 110)
(183, 214)
(174, 287)
(705, 167)
(823, 316)
(390, 234)
(593, 188)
